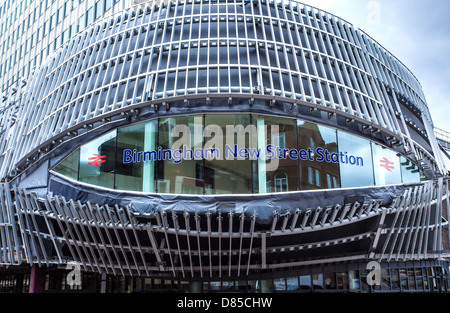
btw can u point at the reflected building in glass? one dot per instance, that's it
(254, 146)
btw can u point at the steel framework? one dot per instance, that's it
(151, 56)
(185, 57)
(118, 240)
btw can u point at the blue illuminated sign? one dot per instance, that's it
(233, 152)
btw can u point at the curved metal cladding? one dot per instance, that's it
(276, 58)
(289, 53)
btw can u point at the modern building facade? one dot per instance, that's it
(222, 145)
(31, 30)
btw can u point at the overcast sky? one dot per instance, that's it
(417, 32)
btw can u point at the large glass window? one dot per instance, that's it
(184, 135)
(228, 170)
(97, 161)
(70, 165)
(355, 156)
(277, 168)
(234, 154)
(410, 171)
(138, 176)
(318, 156)
(386, 166)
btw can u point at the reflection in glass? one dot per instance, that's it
(69, 166)
(330, 280)
(302, 156)
(281, 182)
(352, 176)
(292, 283)
(187, 177)
(410, 172)
(226, 174)
(315, 174)
(386, 283)
(386, 166)
(280, 283)
(395, 282)
(311, 180)
(137, 176)
(92, 168)
(317, 281)
(342, 280)
(305, 282)
(353, 277)
(281, 171)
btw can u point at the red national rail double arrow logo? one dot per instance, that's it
(387, 164)
(97, 159)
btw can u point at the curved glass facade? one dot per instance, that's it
(234, 154)
(268, 48)
(116, 148)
